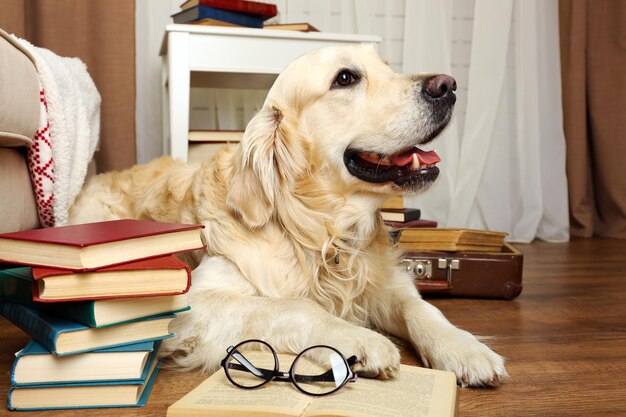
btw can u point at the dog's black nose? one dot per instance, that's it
(439, 86)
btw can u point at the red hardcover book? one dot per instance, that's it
(165, 275)
(95, 245)
(264, 10)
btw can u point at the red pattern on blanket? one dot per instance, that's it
(41, 166)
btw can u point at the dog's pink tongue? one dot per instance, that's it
(424, 157)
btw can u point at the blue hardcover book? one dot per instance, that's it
(205, 12)
(65, 337)
(16, 286)
(36, 366)
(88, 395)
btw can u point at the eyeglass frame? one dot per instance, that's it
(277, 375)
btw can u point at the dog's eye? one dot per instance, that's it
(344, 79)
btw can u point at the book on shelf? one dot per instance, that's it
(16, 287)
(397, 397)
(65, 337)
(400, 215)
(215, 135)
(35, 365)
(412, 224)
(265, 10)
(91, 246)
(95, 394)
(300, 27)
(214, 22)
(196, 13)
(394, 203)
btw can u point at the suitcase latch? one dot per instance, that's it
(449, 265)
(419, 268)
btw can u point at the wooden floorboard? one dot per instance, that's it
(564, 339)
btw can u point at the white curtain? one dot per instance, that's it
(503, 154)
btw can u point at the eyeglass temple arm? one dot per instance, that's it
(247, 366)
(329, 375)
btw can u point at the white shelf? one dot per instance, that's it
(223, 57)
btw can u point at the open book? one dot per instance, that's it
(414, 392)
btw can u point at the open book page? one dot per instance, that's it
(414, 392)
(216, 396)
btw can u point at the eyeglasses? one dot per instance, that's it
(318, 370)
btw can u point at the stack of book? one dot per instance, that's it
(240, 13)
(96, 299)
(396, 216)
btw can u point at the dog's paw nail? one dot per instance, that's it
(495, 382)
(387, 373)
(384, 375)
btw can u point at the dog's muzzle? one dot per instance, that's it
(410, 167)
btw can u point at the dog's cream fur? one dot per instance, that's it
(297, 254)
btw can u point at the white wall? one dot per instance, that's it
(151, 17)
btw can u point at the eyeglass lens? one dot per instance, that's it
(320, 370)
(251, 364)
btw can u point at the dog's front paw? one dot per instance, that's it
(474, 364)
(377, 356)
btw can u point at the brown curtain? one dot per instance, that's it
(102, 34)
(593, 59)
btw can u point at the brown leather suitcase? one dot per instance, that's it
(467, 274)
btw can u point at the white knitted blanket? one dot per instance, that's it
(68, 133)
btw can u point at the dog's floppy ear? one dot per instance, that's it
(273, 155)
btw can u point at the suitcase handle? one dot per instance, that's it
(432, 285)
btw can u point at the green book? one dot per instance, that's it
(16, 286)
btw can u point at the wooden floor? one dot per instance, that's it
(564, 339)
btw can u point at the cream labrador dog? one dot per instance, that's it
(297, 254)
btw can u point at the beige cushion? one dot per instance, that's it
(19, 94)
(17, 199)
